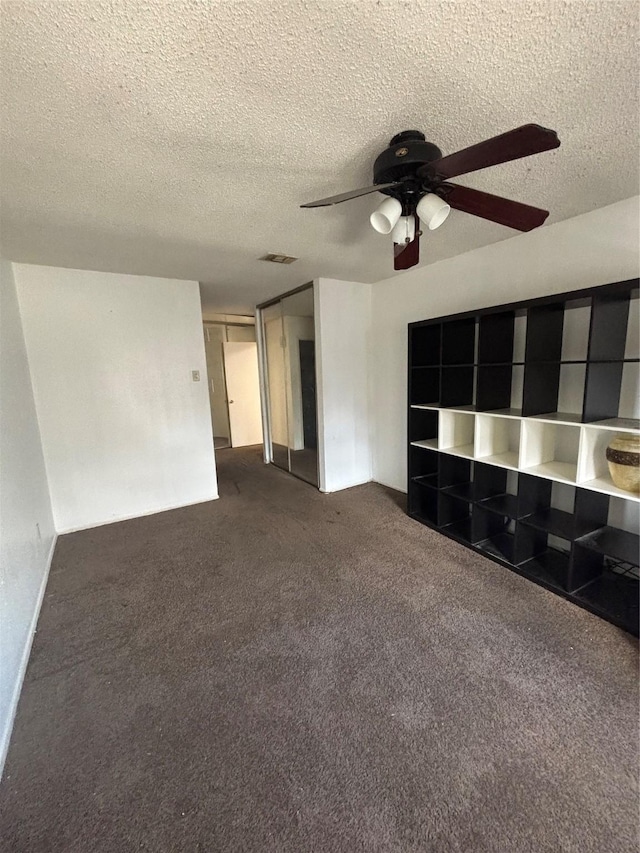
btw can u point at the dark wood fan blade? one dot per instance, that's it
(513, 214)
(521, 142)
(336, 199)
(407, 255)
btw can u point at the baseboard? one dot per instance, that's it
(389, 486)
(344, 487)
(62, 530)
(362, 483)
(26, 654)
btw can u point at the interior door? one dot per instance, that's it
(243, 392)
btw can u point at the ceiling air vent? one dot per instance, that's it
(278, 259)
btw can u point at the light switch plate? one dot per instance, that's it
(195, 375)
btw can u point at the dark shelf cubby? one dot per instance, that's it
(541, 388)
(609, 320)
(458, 341)
(571, 389)
(500, 469)
(500, 545)
(423, 424)
(460, 490)
(425, 385)
(549, 566)
(620, 545)
(423, 502)
(494, 387)
(534, 494)
(607, 338)
(544, 332)
(495, 338)
(422, 462)
(505, 505)
(456, 477)
(453, 508)
(490, 481)
(459, 529)
(494, 534)
(457, 385)
(542, 359)
(602, 390)
(425, 346)
(557, 522)
(430, 480)
(612, 595)
(590, 509)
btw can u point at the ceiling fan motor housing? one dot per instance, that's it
(407, 151)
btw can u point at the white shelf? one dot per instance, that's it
(429, 443)
(437, 408)
(503, 460)
(558, 418)
(550, 449)
(593, 471)
(606, 486)
(463, 409)
(456, 430)
(616, 424)
(555, 446)
(465, 450)
(498, 440)
(504, 413)
(561, 472)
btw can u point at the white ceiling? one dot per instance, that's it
(178, 139)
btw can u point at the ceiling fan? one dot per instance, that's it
(415, 176)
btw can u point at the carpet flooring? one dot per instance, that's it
(287, 671)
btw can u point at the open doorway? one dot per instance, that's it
(234, 389)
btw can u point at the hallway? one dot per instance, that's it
(286, 671)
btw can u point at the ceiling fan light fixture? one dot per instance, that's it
(432, 210)
(410, 166)
(386, 216)
(405, 230)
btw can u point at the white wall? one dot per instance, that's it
(242, 334)
(214, 317)
(125, 430)
(27, 535)
(343, 359)
(596, 248)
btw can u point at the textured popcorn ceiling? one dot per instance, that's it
(178, 139)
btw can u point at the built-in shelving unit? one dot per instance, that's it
(510, 412)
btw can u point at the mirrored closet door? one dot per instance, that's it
(289, 382)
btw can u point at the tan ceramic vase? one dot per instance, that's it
(623, 458)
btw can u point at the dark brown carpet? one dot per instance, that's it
(287, 671)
